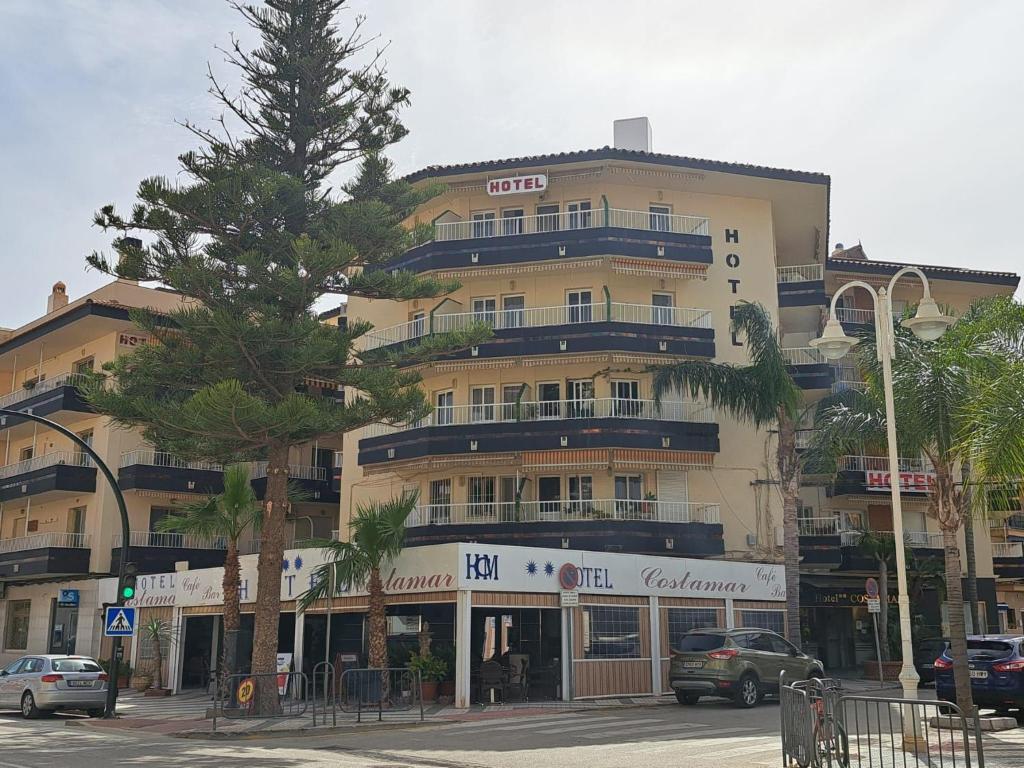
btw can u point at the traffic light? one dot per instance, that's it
(128, 585)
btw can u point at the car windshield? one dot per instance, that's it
(75, 665)
(697, 643)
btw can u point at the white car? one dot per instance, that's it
(44, 683)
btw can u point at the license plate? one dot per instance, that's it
(693, 663)
(979, 674)
(79, 683)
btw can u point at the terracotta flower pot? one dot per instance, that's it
(429, 690)
(891, 669)
(446, 688)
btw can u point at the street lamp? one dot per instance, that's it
(928, 324)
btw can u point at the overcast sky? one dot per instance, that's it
(916, 110)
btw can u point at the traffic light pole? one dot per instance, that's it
(116, 652)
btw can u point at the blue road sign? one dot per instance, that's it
(119, 621)
(68, 598)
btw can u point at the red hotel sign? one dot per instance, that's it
(512, 185)
(909, 481)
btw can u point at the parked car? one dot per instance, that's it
(996, 665)
(36, 684)
(925, 653)
(740, 664)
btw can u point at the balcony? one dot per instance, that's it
(545, 425)
(870, 474)
(44, 554)
(48, 397)
(802, 286)
(49, 476)
(314, 483)
(1008, 559)
(157, 552)
(567, 328)
(853, 319)
(808, 367)
(642, 526)
(1009, 549)
(820, 542)
(681, 243)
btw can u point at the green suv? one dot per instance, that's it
(739, 664)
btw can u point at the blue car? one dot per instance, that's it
(997, 672)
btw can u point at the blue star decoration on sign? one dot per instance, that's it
(285, 565)
(531, 568)
(549, 568)
(298, 562)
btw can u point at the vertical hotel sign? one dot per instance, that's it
(514, 185)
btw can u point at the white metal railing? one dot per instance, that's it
(46, 385)
(848, 538)
(554, 410)
(546, 511)
(842, 385)
(536, 317)
(295, 471)
(569, 221)
(854, 315)
(168, 540)
(150, 458)
(1007, 549)
(818, 526)
(881, 464)
(71, 458)
(802, 355)
(801, 274)
(925, 539)
(45, 540)
(804, 438)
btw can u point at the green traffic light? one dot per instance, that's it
(128, 593)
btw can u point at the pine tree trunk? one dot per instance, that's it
(789, 480)
(232, 610)
(957, 628)
(883, 615)
(268, 588)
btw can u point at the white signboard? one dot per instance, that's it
(514, 185)
(909, 481)
(156, 590)
(874, 605)
(568, 598)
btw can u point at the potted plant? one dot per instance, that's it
(446, 688)
(156, 632)
(432, 671)
(648, 506)
(124, 672)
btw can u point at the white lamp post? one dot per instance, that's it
(928, 325)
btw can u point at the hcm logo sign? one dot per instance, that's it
(481, 567)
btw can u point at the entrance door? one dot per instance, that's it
(483, 224)
(444, 408)
(549, 494)
(879, 517)
(580, 394)
(549, 395)
(580, 305)
(198, 650)
(626, 398)
(579, 214)
(63, 629)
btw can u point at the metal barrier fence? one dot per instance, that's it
(325, 670)
(238, 696)
(822, 727)
(391, 689)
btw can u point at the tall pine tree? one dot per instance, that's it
(253, 237)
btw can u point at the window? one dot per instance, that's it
(660, 218)
(16, 632)
(507, 487)
(581, 309)
(547, 218)
(512, 221)
(483, 224)
(76, 520)
(549, 394)
(579, 215)
(611, 633)
(482, 400)
(481, 496)
(549, 494)
(628, 495)
(78, 665)
(766, 619)
(440, 500)
(146, 649)
(483, 310)
(580, 394)
(85, 365)
(419, 325)
(509, 397)
(31, 666)
(779, 645)
(626, 399)
(512, 311)
(683, 620)
(26, 453)
(662, 312)
(444, 405)
(404, 625)
(696, 643)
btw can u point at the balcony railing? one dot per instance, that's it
(1008, 549)
(46, 385)
(168, 540)
(843, 385)
(554, 410)
(569, 221)
(71, 458)
(45, 541)
(804, 437)
(538, 317)
(819, 526)
(924, 539)
(803, 273)
(564, 511)
(881, 464)
(802, 355)
(854, 315)
(295, 471)
(150, 458)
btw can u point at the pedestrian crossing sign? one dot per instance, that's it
(119, 621)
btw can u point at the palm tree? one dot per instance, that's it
(226, 516)
(376, 537)
(764, 394)
(157, 632)
(882, 549)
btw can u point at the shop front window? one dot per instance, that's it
(611, 632)
(16, 632)
(683, 620)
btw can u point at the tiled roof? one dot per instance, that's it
(839, 264)
(611, 153)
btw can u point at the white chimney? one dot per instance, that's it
(633, 133)
(58, 297)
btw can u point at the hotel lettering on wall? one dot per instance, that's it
(514, 185)
(732, 262)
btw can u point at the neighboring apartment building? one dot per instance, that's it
(59, 524)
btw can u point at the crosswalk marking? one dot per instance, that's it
(674, 727)
(521, 722)
(593, 724)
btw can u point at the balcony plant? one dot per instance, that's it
(432, 671)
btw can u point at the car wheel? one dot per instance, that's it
(687, 698)
(748, 692)
(95, 712)
(29, 710)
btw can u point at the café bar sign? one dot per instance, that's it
(514, 185)
(920, 482)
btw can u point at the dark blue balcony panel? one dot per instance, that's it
(50, 480)
(503, 437)
(171, 479)
(163, 559)
(48, 403)
(44, 561)
(553, 246)
(808, 293)
(812, 375)
(854, 559)
(1008, 567)
(820, 551)
(310, 491)
(649, 537)
(594, 337)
